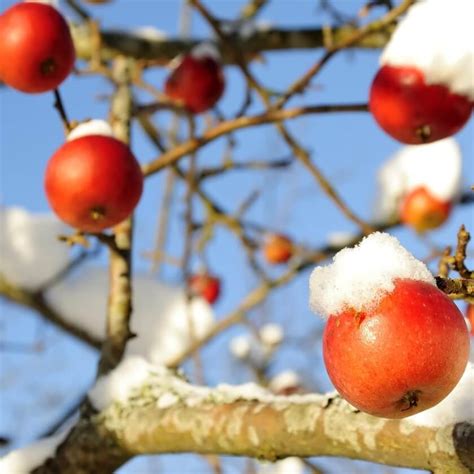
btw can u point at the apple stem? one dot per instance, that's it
(424, 132)
(97, 213)
(411, 398)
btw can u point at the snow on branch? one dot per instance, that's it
(152, 411)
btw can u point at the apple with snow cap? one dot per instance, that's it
(419, 185)
(197, 81)
(422, 211)
(424, 90)
(93, 181)
(394, 345)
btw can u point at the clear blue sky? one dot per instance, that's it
(348, 147)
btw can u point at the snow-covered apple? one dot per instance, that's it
(419, 184)
(205, 286)
(197, 82)
(412, 111)
(422, 211)
(393, 345)
(277, 248)
(93, 182)
(36, 48)
(424, 90)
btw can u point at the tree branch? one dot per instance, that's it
(37, 302)
(222, 128)
(167, 415)
(119, 307)
(161, 51)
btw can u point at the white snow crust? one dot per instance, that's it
(240, 347)
(24, 460)
(159, 319)
(436, 37)
(291, 465)
(283, 380)
(205, 50)
(271, 334)
(359, 277)
(436, 166)
(91, 127)
(117, 385)
(30, 253)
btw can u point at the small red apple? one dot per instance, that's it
(412, 111)
(470, 317)
(277, 248)
(197, 83)
(403, 356)
(93, 182)
(205, 286)
(36, 48)
(423, 211)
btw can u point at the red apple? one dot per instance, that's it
(93, 182)
(412, 111)
(36, 48)
(423, 211)
(403, 356)
(277, 248)
(205, 286)
(470, 317)
(197, 83)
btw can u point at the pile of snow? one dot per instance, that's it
(135, 380)
(30, 252)
(291, 465)
(117, 385)
(240, 347)
(149, 33)
(91, 127)
(271, 334)
(206, 50)
(257, 350)
(436, 37)
(288, 379)
(359, 277)
(252, 27)
(436, 166)
(24, 460)
(159, 319)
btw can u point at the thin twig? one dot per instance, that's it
(59, 106)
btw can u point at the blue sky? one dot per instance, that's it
(348, 148)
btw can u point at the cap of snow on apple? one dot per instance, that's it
(394, 345)
(91, 127)
(435, 170)
(424, 90)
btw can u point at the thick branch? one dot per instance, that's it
(115, 43)
(166, 415)
(119, 307)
